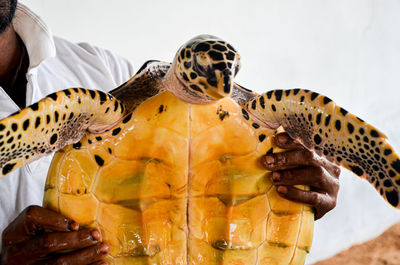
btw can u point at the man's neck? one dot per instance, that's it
(10, 53)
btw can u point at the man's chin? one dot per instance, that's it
(7, 12)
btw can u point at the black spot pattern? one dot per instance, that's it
(262, 102)
(196, 88)
(127, 118)
(35, 107)
(343, 111)
(374, 133)
(201, 47)
(357, 170)
(350, 127)
(314, 95)
(92, 94)
(278, 94)
(387, 152)
(317, 139)
(219, 47)
(318, 118)
(216, 55)
(253, 104)
(8, 168)
(25, 124)
(67, 93)
(115, 106)
(396, 165)
(99, 160)
(219, 66)
(245, 114)
(230, 55)
(103, 97)
(327, 100)
(327, 120)
(185, 77)
(53, 96)
(116, 131)
(338, 125)
(392, 197)
(193, 75)
(37, 122)
(53, 139)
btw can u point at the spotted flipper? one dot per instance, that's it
(60, 119)
(332, 132)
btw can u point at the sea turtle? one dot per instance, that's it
(167, 165)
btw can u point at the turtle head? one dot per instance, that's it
(206, 65)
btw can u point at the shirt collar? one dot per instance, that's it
(36, 36)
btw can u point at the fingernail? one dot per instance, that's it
(73, 226)
(282, 189)
(276, 176)
(282, 138)
(269, 159)
(104, 248)
(95, 235)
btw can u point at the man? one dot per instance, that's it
(33, 64)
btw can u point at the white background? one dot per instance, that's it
(348, 50)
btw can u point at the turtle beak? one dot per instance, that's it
(225, 81)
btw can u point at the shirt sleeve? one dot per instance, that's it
(120, 69)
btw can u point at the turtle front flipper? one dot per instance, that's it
(332, 132)
(60, 119)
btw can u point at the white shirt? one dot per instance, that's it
(55, 64)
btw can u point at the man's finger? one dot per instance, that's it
(47, 219)
(283, 140)
(54, 242)
(100, 262)
(33, 221)
(83, 257)
(316, 177)
(289, 159)
(322, 203)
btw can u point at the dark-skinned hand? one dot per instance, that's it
(42, 236)
(299, 166)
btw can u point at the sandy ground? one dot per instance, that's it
(383, 250)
